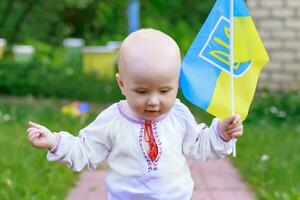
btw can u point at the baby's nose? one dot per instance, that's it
(153, 100)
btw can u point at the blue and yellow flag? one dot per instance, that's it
(205, 73)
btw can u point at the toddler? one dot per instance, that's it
(146, 137)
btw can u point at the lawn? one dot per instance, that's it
(267, 155)
(25, 172)
(268, 158)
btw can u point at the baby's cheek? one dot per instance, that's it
(138, 106)
(166, 108)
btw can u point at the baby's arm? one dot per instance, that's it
(89, 148)
(213, 142)
(206, 143)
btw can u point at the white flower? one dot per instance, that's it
(274, 109)
(282, 114)
(69, 71)
(6, 117)
(264, 157)
(8, 182)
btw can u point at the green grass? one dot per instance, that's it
(268, 158)
(25, 172)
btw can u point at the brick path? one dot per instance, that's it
(214, 180)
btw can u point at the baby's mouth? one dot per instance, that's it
(152, 111)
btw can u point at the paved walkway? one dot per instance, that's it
(214, 180)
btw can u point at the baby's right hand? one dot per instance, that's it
(40, 137)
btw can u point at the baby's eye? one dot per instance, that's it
(165, 91)
(141, 91)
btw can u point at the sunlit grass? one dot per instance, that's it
(25, 172)
(268, 157)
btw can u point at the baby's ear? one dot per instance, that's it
(120, 83)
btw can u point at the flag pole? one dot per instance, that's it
(231, 68)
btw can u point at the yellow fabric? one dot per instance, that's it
(247, 46)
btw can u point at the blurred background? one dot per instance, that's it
(57, 64)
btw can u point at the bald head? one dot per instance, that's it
(149, 66)
(149, 50)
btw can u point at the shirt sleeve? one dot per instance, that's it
(90, 147)
(203, 142)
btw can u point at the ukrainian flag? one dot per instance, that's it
(205, 73)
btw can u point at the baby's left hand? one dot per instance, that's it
(231, 127)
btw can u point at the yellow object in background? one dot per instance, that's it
(100, 60)
(2, 47)
(75, 108)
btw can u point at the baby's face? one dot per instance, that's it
(150, 93)
(149, 65)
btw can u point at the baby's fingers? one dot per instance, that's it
(235, 132)
(35, 125)
(31, 129)
(226, 136)
(234, 125)
(236, 119)
(33, 135)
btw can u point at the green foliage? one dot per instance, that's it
(55, 20)
(41, 80)
(45, 25)
(179, 19)
(97, 21)
(278, 108)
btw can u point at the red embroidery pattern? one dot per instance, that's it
(149, 136)
(152, 164)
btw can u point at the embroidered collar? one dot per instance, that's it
(134, 119)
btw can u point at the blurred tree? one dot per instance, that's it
(97, 21)
(181, 19)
